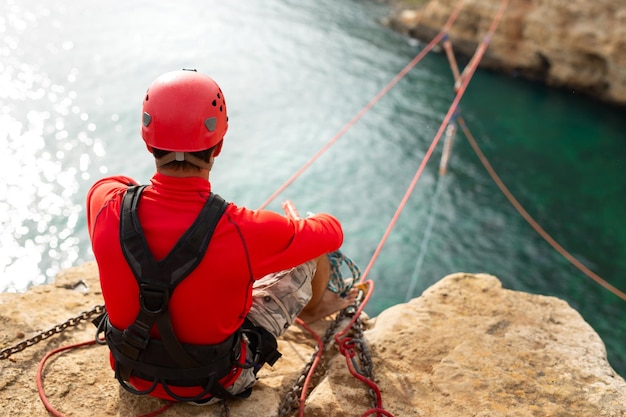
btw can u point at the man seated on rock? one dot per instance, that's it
(196, 289)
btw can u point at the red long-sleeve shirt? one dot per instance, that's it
(212, 302)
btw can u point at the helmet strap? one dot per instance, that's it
(183, 156)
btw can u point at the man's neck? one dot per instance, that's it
(184, 173)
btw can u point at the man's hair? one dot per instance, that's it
(205, 155)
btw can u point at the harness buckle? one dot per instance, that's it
(135, 339)
(153, 299)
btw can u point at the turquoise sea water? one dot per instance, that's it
(72, 77)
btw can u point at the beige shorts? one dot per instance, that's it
(277, 299)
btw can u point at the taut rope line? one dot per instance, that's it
(425, 240)
(465, 79)
(560, 249)
(545, 235)
(369, 105)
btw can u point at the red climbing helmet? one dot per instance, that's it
(184, 111)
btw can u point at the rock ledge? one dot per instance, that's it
(464, 347)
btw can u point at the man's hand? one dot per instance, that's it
(290, 210)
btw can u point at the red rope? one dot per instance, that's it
(320, 351)
(42, 392)
(40, 368)
(369, 105)
(465, 79)
(331, 142)
(318, 358)
(532, 221)
(545, 235)
(346, 347)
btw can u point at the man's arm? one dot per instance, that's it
(276, 242)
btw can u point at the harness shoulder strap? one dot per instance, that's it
(158, 279)
(186, 254)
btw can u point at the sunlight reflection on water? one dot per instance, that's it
(38, 212)
(37, 215)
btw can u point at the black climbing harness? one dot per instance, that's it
(167, 361)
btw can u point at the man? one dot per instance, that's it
(197, 289)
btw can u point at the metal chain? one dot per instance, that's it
(290, 400)
(225, 409)
(74, 321)
(367, 365)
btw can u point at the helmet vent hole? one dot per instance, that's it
(147, 97)
(218, 95)
(214, 103)
(220, 109)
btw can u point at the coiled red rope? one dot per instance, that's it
(42, 392)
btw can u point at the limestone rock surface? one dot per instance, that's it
(579, 45)
(466, 347)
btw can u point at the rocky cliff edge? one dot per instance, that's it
(465, 347)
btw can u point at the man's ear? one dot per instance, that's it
(218, 148)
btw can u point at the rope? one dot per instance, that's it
(337, 283)
(447, 45)
(545, 235)
(318, 358)
(346, 347)
(42, 392)
(465, 79)
(450, 133)
(347, 350)
(367, 289)
(425, 241)
(532, 221)
(369, 105)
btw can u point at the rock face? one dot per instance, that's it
(465, 347)
(574, 44)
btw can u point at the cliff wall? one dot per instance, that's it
(578, 45)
